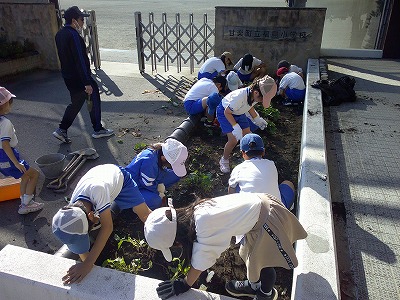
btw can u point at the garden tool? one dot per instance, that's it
(59, 185)
(89, 103)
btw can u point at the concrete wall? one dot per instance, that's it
(33, 275)
(270, 34)
(38, 24)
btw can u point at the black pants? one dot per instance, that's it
(78, 98)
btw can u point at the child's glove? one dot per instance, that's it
(260, 122)
(161, 190)
(169, 288)
(237, 132)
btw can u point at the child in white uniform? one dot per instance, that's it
(10, 162)
(90, 203)
(258, 175)
(204, 230)
(232, 118)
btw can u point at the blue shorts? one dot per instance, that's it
(207, 75)
(193, 107)
(244, 78)
(226, 127)
(7, 167)
(287, 195)
(130, 195)
(295, 95)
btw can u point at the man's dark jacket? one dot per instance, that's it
(75, 64)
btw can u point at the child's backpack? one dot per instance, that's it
(336, 91)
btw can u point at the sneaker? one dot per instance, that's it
(224, 165)
(240, 288)
(102, 133)
(32, 206)
(261, 296)
(61, 134)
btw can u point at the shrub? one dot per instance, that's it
(14, 49)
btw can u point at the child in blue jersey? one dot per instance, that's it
(10, 162)
(91, 203)
(158, 167)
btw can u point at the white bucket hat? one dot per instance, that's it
(160, 231)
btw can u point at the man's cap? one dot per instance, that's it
(176, 154)
(268, 89)
(251, 141)
(5, 95)
(233, 81)
(70, 225)
(283, 63)
(281, 71)
(160, 232)
(228, 55)
(74, 12)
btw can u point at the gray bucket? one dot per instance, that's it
(51, 164)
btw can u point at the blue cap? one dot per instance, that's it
(251, 141)
(70, 226)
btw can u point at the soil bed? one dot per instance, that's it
(205, 149)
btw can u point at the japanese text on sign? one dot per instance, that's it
(266, 33)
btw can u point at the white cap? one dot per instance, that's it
(160, 232)
(233, 81)
(176, 154)
(5, 95)
(70, 226)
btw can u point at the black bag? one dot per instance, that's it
(336, 91)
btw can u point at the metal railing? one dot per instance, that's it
(186, 45)
(90, 37)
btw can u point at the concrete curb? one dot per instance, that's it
(316, 277)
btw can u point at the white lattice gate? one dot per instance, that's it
(184, 45)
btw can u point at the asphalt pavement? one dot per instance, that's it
(366, 155)
(138, 108)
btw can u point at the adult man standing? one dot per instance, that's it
(75, 69)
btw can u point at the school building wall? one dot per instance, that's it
(270, 33)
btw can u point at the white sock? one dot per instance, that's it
(26, 199)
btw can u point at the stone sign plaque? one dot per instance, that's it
(270, 33)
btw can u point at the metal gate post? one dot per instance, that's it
(152, 43)
(139, 40)
(178, 36)
(164, 40)
(94, 39)
(191, 64)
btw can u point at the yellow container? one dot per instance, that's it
(9, 189)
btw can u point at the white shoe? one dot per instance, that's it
(102, 133)
(32, 206)
(224, 165)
